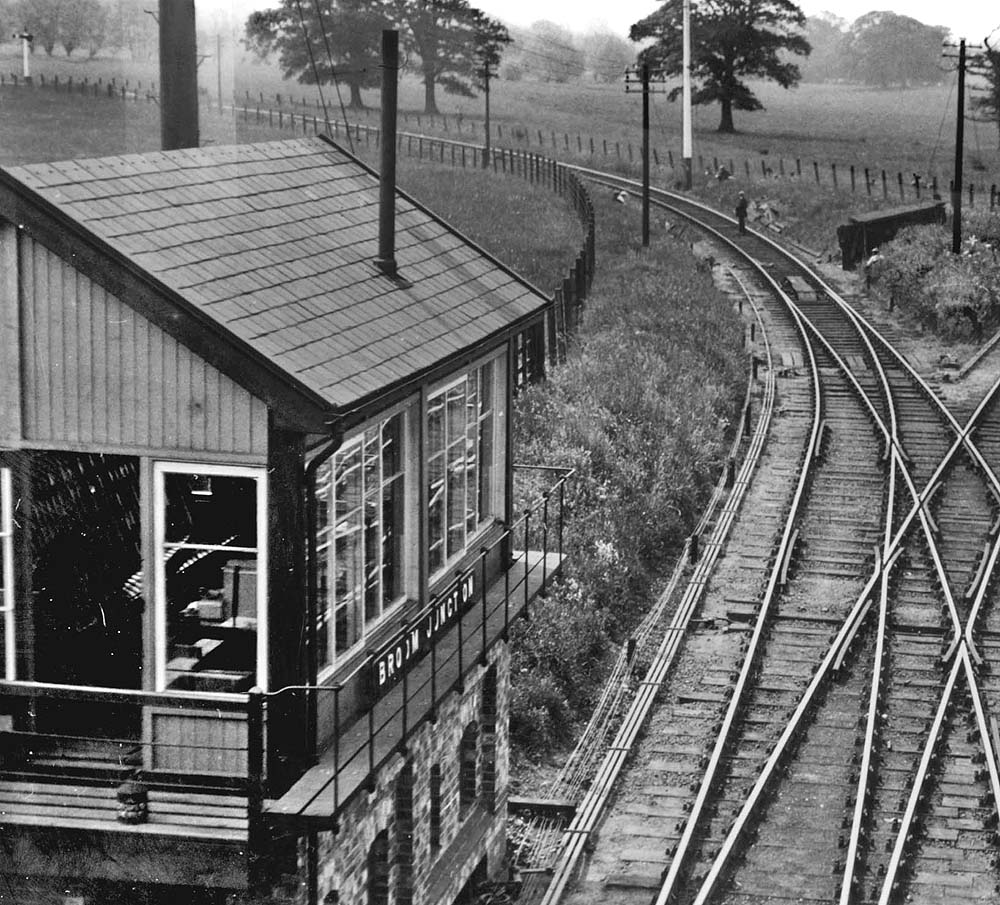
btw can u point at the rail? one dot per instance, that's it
(580, 773)
(964, 646)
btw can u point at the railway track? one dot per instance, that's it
(849, 752)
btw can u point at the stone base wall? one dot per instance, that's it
(436, 873)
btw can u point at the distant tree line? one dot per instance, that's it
(550, 53)
(881, 49)
(83, 26)
(449, 43)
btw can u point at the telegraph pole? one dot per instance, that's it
(218, 66)
(956, 190)
(486, 93)
(644, 78)
(956, 187)
(686, 142)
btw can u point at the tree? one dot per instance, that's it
(352, 28)
(607, 56)
(986, 103)
(826, 34)
(131, 28)
(551, 52)
(884, 48)
(730, 39)
(82, 23)
(41, 19)
(450, 42)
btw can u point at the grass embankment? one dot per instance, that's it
(640, 410)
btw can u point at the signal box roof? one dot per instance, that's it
(270, 248)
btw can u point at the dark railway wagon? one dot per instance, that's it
(865, 232)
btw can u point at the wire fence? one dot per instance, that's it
(287, 111)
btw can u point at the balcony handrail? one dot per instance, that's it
(196, 700)
(507, 534)
(364, 749)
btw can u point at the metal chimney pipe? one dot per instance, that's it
(178, 75)
(386, 260)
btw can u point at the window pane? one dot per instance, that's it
(369, 495)
(435, 496)
(486, 468)
(87, 567)
(435, 425)
(471, 480)
(392, 454)
(372, 542)
(456, 412)
(456, 499)
(348, 481)
(392, 539)
(211, 594)
(211, 510)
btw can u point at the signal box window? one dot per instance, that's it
(211, 578)
(461, 426)
(360, 496)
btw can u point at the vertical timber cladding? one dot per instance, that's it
(10, 367)
(96, 372)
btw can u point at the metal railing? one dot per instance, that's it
(359, 749)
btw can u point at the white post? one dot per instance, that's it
(686, 96)
(25, 45)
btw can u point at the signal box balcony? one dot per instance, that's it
(180, 789)
(404, 680)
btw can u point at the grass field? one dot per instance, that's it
(901, 132)
(908, 131)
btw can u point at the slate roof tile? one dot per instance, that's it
(277, 242)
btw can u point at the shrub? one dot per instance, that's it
(958, 296)
(641, 410)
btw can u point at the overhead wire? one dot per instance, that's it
(333, 73)
(944, 115)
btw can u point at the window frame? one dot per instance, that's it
(7, 556)
(161, 468)
(497, 361)
(406, 478)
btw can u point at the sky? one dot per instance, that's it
(972, 19)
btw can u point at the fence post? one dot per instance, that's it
(972, 195)
(899, 179)
(833, 170)
(868, 183)
(670, 157)
(816, 171)
(852, 178)
(798, 166)
(916, 184)
(885, 185)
